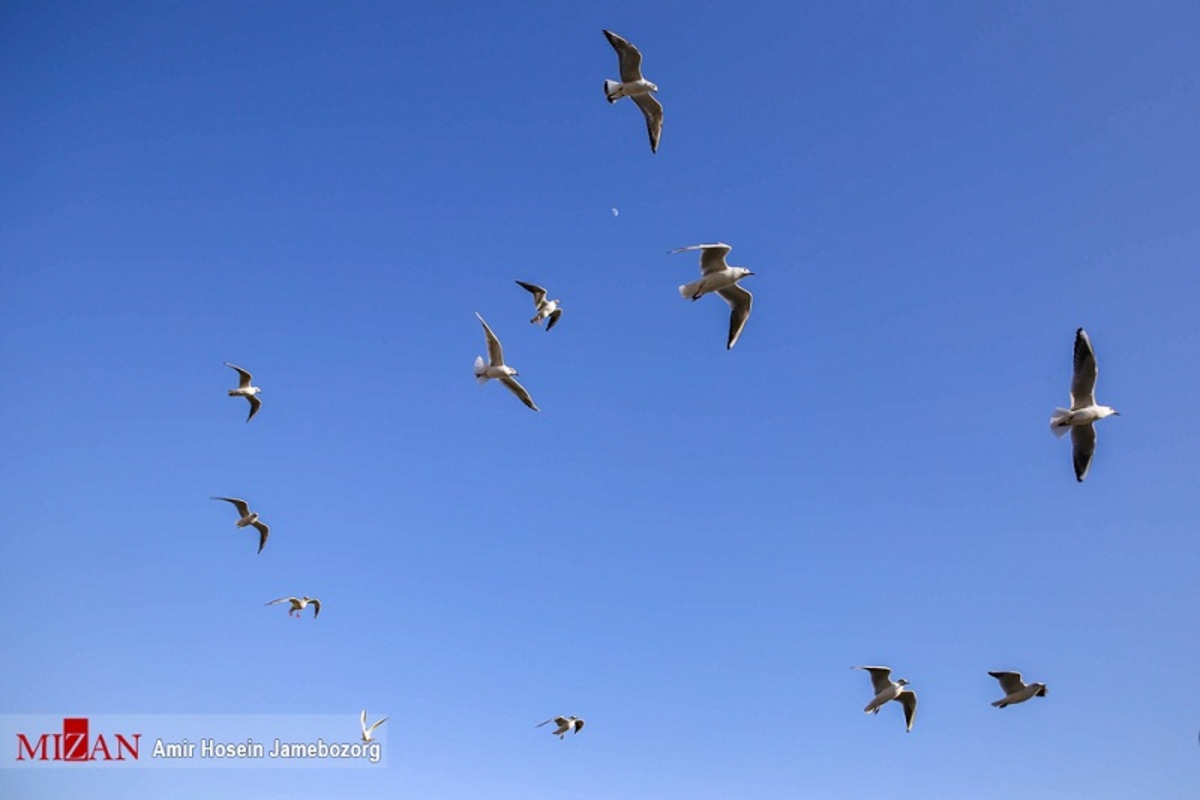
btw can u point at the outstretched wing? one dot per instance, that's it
(519, 391)
(908, 699)
(1083, 447)
(652, 109)
(377, 724)
(539, 294)
(1083, 382)
(280, 600)
(255, 404)
(244, 378)
(628, 56)
(238, 503)
(739, 301)
(554, 315)
(316, 604)
(881, 677)
(712, 256)
(578, 725)
(495, 351)
(1009, 681)
(263, 532)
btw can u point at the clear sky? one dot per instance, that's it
(688, 547)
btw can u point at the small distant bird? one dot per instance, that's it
(633, 85)
(246, 390)
(565, 725)
(249, 517)
(1016, 691)
(367, 733)
(298, 604)
(497, 369)
(1083, 411)
(723, 279)
(886, 689)
(545, 308)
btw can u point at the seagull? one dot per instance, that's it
(1083, 411)
(497, 369)
(367, 732)
(565, 725)
(1015, 691)
(545, 308)
(719, 277)
(633, 85)
(249, 517)
(886, 689)
(246, 390)
(298, 605)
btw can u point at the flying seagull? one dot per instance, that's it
(367, 733)
(299, 604)
(1083, 411)
(249, 517)
(545, 308)
(633, 85)
(886, 689)
(497, 369)
(1016, 691)
(719, 277)
(246, 390)
(565, 725)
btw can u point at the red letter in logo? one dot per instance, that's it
(32, 751)
(75, 738)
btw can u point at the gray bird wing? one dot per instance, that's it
(263, 532)
(578, 725)
(880, 677)
(1009, 681)
(712, 256)
(1083, 447)
(739, 301)
(238, 503)
(629, 57)
(244, 378)
(653, 111)
(1083, 382)
(519, 391)
(495, 351)
(908, 699)
(280, 600)
(316, 604)
(539, 294)
(554, 315)
(255, 404)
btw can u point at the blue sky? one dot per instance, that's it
(688, 547)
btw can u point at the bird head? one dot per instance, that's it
(653, 86)
(1041, 692)
(902, 682)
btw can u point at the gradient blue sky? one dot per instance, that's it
(688, 547)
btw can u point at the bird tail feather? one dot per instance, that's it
(612, 91)
(1057, 426)
(688, 290)
(999, 704)
(480, 368)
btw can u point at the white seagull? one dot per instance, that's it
(886, 689)
(1083, 411)
(497, 369)
(246, 390)
(249, 517)
(719, 277)
(298, 605)
(545, 308)
(367, 733)
(633, 85)
(565, 725)
(1015, 690)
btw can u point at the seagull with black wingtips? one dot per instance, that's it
(717, 276)
(248, 517)
(1084, 411)
(634, 86)
(546, 309)
(887, 690)
(246, 389)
